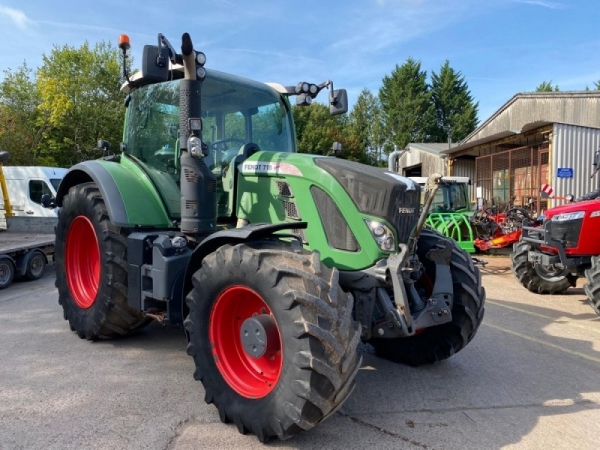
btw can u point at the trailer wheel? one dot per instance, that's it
(7, 272)
(442, 341)
(272, 336)
(592, 288)
(35, 264)
(91, 268)
(535, 277)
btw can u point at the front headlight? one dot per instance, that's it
(382, 235)
(569, 216)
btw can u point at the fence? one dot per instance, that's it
(514, 177)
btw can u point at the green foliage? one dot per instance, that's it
(408, 111)
(55, 115)
(80, 100)
(546, 86)
(597, 85)
(455, 109)
(20, 127)
(317, 130)
(366, 126)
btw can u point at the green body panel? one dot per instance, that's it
(455, 225)
(258, 200)
(143, 204)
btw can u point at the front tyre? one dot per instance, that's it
(442, 341)
(91, 268)
(272, 336)
(537, 278)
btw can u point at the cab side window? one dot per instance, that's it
(37, 188)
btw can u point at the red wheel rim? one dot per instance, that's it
(82, 262)
(248, 376)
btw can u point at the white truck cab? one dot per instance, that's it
(27, 185)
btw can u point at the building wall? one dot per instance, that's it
(466, 168)
(430, 163)
(574, 147)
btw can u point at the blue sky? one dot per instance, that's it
(501, 46)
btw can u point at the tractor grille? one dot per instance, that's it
(284, 189)
(567, 232)
(378, 193)
(291, 210)
(337, 231)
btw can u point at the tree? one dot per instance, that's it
(363, 125)
(408, 113)
(546, 86)
(455, 109)
(597, 85)
(20, 127)
(80, 101)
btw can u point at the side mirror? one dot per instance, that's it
(155, 65)
(47, 201)
(569, 198)
(338, 102)
(4, 156)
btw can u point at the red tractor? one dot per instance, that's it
(562, 246)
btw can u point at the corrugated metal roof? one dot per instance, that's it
(527, 111)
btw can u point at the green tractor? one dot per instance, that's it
(451, 211)
(276, 263)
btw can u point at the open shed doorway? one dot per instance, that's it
(413, 171)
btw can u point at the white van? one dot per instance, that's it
(27, 185)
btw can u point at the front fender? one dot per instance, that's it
(130, 197)
(252, 232)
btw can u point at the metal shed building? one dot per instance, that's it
(532, 140)
(423, 159)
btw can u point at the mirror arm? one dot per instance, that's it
(173, 56)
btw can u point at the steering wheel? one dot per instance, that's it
(517, 215)
(221, 144)
(224, 151)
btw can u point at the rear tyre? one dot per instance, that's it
(7, 272)
(304, 359)
(35, 264)
(592, 288)
(440, 342)
(537, 278)
(91, 268)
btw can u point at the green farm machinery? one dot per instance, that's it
(451, 211)
(277, 264)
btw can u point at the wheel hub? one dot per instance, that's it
(259, 335)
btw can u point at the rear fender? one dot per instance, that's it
(130, 197)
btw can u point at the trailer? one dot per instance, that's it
(26, 241)
(26, 247)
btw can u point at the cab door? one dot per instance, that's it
(36, 189)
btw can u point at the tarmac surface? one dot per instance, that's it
(530, 379)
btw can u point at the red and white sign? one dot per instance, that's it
(547, 191)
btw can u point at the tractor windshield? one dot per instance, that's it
(451, 198)
(235, 111)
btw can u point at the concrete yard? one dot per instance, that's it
(530, 379)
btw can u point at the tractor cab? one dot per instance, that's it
(239, 117)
